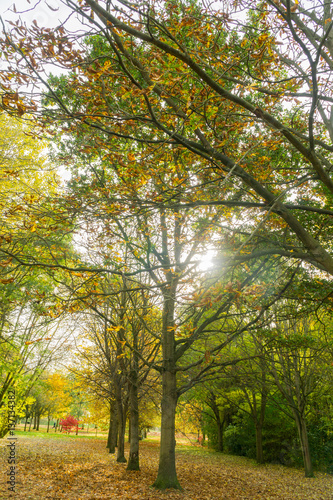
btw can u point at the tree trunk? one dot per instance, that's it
(121, 428)
(26, 421)
(220, 429)
(115, 429)
(37, 421)
(113, 426)
(109, 439)
(211, 401)
(304, 440)
(129, 429)
(167, 476)
(48, 423)
(133, 461)
(259, 450)
(258, 411)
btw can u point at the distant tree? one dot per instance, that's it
(55, 388)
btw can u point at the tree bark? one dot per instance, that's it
(167, 476)
(259, 450)
(129, 429)
(37, 421)
(304, 440)
(133, 461)
(26, 421)
(121, 427)
(113, 426)
(259, 420)
(220, 423)
(109, 439)
(220, 429)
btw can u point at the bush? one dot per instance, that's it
(69, 423)
(321, 446)
(280, 443)
(239, 437)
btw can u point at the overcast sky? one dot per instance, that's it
(37, 10)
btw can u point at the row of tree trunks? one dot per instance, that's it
(36, 420)
(116, 434)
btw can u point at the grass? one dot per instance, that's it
(181, 448)
(57, 435)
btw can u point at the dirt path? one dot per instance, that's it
(80, 469)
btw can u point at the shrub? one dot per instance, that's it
(69, 423)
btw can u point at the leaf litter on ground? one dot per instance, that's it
(81, 469)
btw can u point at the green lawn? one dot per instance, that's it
(59, 435)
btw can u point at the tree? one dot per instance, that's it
(295, 364)
(120, 325)
(56, 392)
(252, 379)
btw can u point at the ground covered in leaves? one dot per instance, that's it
(81, 469)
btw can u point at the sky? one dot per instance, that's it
(37, 10)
